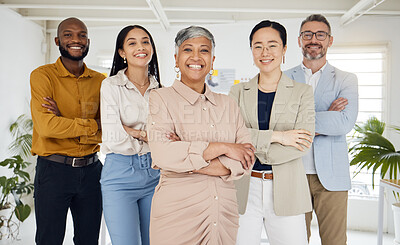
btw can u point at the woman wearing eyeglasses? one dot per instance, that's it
(279, 112)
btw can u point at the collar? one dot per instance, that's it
(63, 72)
(284, 80)
(190, 95)
(309, 72)
(121, 79)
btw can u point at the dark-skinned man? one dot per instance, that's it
(66, 133)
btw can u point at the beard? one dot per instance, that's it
(67, 55)
(312, 55)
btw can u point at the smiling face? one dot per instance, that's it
(72, 39)
(194, 60)
(267, 49)
(137, 48)
(314, 49)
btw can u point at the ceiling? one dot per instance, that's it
(167, 13)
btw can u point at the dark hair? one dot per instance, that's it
(274, 25)
(318, 18)
(118, 61)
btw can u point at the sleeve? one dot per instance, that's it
(242, 137)
(114, 135)
(46, 123)
(261, 138)
(278, 154)
(340, 122)
(178, 156)
(91, 139)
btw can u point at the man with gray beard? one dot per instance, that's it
(336, 106)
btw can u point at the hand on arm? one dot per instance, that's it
(240, 152)
(297, 138)
(340, 117)
(52, 106)
(338, 104)
(135, 133)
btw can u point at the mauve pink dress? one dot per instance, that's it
(191, 208)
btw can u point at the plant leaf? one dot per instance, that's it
(22, 212)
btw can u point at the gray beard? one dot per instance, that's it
(309, 57)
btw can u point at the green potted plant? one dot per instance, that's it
(372, 151)
(13, 188)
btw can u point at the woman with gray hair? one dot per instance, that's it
(200, 143)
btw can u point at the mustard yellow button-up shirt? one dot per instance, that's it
(75, 132)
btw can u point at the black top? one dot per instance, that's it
(265, 101)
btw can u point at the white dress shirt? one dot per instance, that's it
(311, 79)
(121, 103)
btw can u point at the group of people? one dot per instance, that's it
(185, 165)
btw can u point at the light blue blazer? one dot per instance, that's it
(330, 147)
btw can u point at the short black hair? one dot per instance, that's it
(318, 18)
(274, 25)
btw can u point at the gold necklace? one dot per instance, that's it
(140, 85)
(265, 90)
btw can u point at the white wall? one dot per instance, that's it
(20, 49)
(20, 45)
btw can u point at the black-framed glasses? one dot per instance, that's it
(319, 35)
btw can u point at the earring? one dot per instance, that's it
(125, 60)
(211, 72)
(283, 59)
(177, 71)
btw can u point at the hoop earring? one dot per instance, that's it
(211, 72)
(177, 71)
(124, 60)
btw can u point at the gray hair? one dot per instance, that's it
(193, 32)
(317, 18)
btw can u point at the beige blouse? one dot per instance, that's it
(122, 103)
(193, 208)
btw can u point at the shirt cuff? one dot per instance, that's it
(196, 150)
(263, 140)
(91, 126)
(234, 166)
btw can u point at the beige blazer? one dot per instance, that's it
(293, 108)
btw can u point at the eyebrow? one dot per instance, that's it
(64, 31)
(316, 31)
(132, 38)
(272, 41)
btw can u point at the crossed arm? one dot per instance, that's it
(48, 124)
(172, 154)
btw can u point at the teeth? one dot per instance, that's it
(265, 61)
(141, 55)
(75, 48)
(195, 66)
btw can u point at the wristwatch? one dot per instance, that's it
(142, 134)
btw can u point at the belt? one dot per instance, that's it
(262, 175)
(73, 161)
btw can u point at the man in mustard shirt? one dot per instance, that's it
(66, 133)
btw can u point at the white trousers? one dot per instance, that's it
(281, 230)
